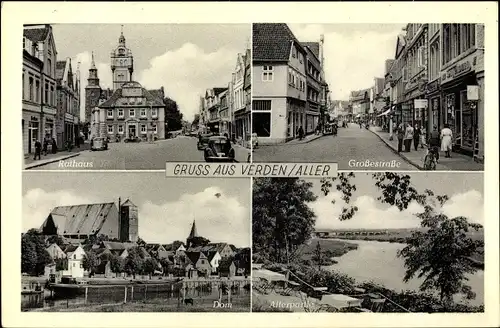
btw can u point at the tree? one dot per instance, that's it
(149, 266)
(141, 242)
(90, 262)
(34, 256)
(282, 220)
(58, 240)
(134, 261)
(243, 258)
(198, 241)
(317, 255)
(165, 265)
(117, 264)
(442, 253)
(173, 117)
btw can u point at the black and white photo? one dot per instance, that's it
(369, 242)
(119, 97)
(134, 242)
(370, 96)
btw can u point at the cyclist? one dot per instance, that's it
(434, 143)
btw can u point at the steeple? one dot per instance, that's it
(92, 65)
(193, 232)
(121, 39)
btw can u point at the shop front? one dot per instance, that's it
(435, 115)
(461, 96)
(31, 132)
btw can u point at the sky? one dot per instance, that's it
(354, 54)
(465, 192)
(186, 59)
(167, 206)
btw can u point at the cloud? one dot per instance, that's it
(220, 219)
(187, 72)
(37, 204)
(374, 215)
(103, 72)
(353, 60)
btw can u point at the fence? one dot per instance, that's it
(172, 295)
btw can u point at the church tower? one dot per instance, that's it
(92, 91)
(129, 221)
(122, 63)
(192, 234)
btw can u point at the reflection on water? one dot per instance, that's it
(378, 262)
(203, 294)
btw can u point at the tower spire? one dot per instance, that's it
(92, 66)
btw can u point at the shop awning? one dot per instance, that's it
(385, 113)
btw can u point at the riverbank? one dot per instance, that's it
(330, 249)
(237, 305)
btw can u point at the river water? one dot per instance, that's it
(378, 262)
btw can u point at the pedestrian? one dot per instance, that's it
(446, 140)
(423, 141)
(54, 146)
(301, 133)
(416, 136)
(45, 145)
(38, 149)
(401, 135)
(408, 137)
(434, 142)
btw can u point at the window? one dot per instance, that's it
(120, 112)
(110, 113)
(154, 112)
(24, 42)
(120, 129)
(267, 73)
(131, 112)
(74, 264)
(261, 116)
(31, 88)
(74, 256)
(24, 92)
(37, 91)
(294, 52)
(155, 129)
(52, 96)
(46, 96)
(143, 128)
(143, 112)
(110, 129)
(49, 66)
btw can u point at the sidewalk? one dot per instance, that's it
(30, 163)
(457, 162)
(296, 141)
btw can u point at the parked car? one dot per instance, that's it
(132, 139)
(99, 144)
(203, 141)
(219, 149)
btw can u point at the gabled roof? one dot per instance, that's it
(80, 219)
(313, 46)
(400, 44)
(128, 202)
(211, 255)
(115, 245)
(117, 94)
(71, 248)
(195, 256)
(247, 82)
(60, 68)
(36, 34)
(272, 42)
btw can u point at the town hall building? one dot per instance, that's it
(129, 111)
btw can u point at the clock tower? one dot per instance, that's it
(92, 91)
(122, 63)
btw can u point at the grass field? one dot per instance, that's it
(329, 248)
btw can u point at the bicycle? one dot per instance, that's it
(430, 160)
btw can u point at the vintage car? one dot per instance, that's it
(99, 144)
(132, 139)
(219, 149)
(203, 141)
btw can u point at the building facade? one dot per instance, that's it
(68, 102)
(39, 98)
(132, 111)
(279, 83)
(245, 117)
(462, 85)
(359, 100)
(225, 125)
(313, 86)
(238, 96)
(129, 110)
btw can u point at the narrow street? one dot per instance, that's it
(351, 148)
(138, 156)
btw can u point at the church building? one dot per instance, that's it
(129, 110)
